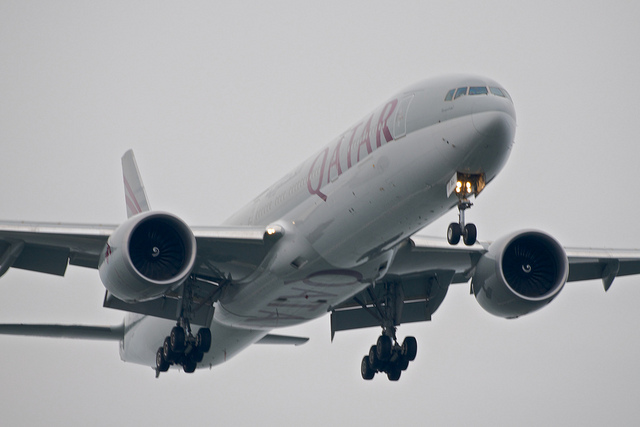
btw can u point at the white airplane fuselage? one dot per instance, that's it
(346, 209)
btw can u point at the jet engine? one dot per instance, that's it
(148, 255)
(520, 273)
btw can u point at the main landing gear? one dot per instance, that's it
(389, 357)
(181, 347)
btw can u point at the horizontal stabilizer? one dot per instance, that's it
(103, 333)
(282, 339)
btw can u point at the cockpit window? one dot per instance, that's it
(478, 90)
(497, 91)
(460, 92)
(449, 96)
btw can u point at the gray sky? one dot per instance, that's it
(218, 101)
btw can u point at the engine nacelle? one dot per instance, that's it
(148, 255)
(520, 273)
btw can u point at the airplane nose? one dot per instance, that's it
(497, 125)
(497, 131)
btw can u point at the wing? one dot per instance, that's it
(223, 254)
(424, 267)
(49, 248)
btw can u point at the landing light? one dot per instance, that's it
(468, 185)
(271, 231)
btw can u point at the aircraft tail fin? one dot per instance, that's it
(134, 194)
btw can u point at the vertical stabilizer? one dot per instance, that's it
(134, 194)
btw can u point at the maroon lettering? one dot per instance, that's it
(335, 161)
(351, 145)
(316, 190)
(382, 123)
(364, 139)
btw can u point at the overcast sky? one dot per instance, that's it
(220, 99)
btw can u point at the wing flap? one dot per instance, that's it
(48, 247)
(589, 264)
(358, 318)
(420, 295)
(43, 259)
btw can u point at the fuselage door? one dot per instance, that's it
(400, 121)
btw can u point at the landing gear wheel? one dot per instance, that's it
(394, 372)
(177, 338)
(169, 355)
(197, 355)
(454, 232)
(366, 370)
(374, 362)
(189, 366)
(409, 348)
(162, 365)
(403, 363)
(384, 348)
(203, 340)
(470, 234)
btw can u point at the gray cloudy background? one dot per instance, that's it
(220, 99)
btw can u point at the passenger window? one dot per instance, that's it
(460, 92)
(497, 91)
(478, 90)
(449, 96)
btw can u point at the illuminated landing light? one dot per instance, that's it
(273, 232)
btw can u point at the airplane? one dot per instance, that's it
(336, 235)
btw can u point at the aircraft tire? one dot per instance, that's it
(162, 365)
(374, 362)
(470, 234)
(366, 369)
(168, 354)
(409, 348)
(453, 233)
(189, 366)
(384, 348)
(203, 340)
(197, 355)
(394, 372)
(177, 339)
(403, 363)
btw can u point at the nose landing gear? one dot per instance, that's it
(468, 232)
(465, 187)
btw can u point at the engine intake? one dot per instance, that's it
(148, 255)
(520, 273)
